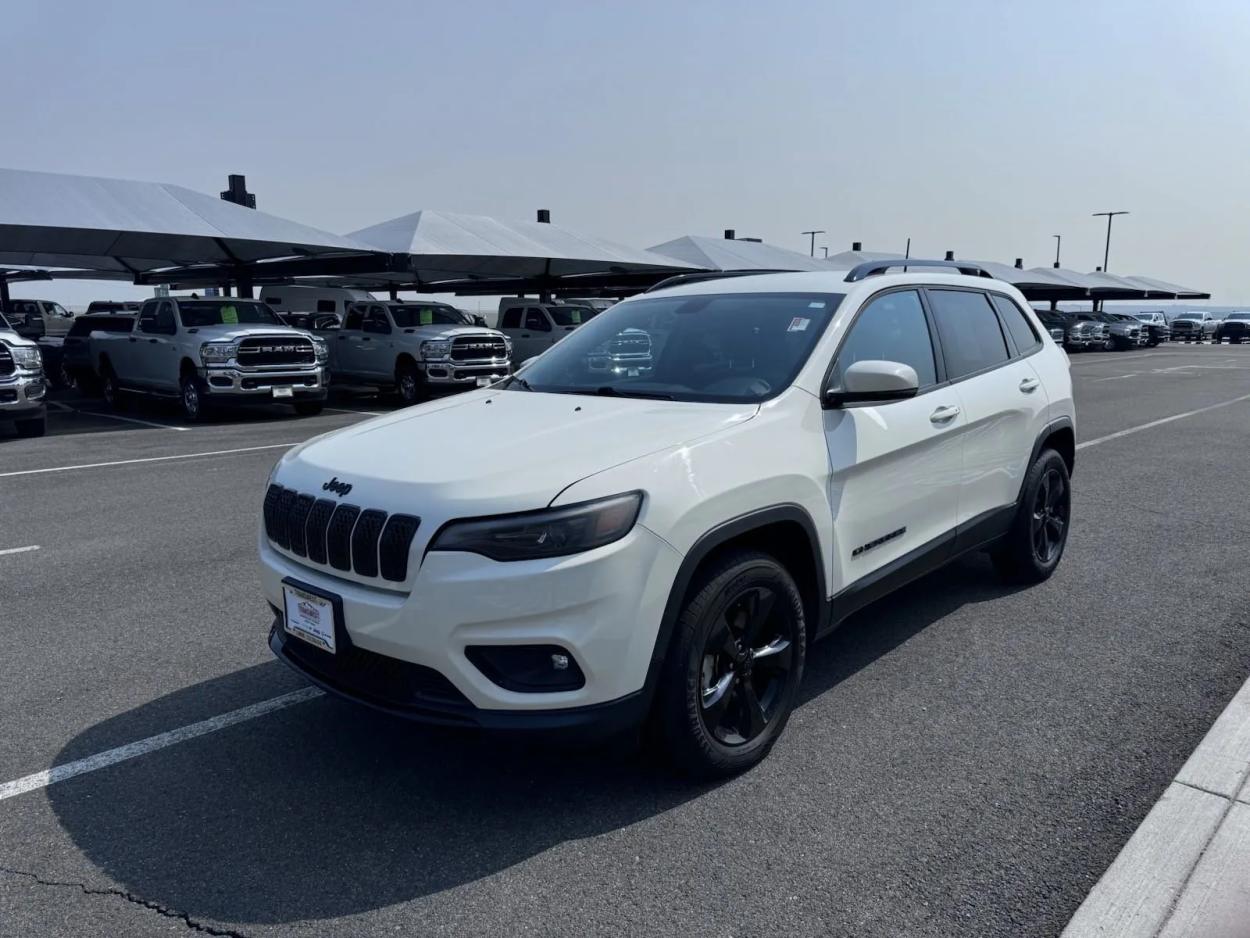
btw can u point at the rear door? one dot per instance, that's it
(1002, 398)
(895, 468)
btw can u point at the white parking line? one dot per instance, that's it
(1160, 422)
(146, 423)
(18, 550)
(131, 462)
(109, 757)
(366, 413)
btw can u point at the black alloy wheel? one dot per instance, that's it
(748, 661)
(1051, 505)
(732, 671)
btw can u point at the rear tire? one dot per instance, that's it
(32, 428)
(309, 408)
(111, 390)
(1032, 549)
(731, 676)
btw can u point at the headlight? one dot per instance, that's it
(551, 532)
(438, 348)
(322, 350)
(26, 356)
(216, 353)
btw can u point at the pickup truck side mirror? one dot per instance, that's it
(873, 382)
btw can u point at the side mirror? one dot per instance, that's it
(873, 382)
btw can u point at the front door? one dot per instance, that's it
(895, 468)
(536, 335)
(374, 356)
(155, 362)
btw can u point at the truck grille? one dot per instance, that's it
(7, 367)
(276, 350)
(470, 348)
(1235, 328)
(342, 536)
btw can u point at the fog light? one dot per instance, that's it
(527, 669)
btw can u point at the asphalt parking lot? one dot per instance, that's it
(968, 758)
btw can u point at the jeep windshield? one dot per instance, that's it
(237, 313)
(719, 348)
(409, 317)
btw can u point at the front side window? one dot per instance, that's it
(511, 318)
(355, 316)
(536, 321)
(972, 339)
(722, 348)
(1022, 332)
(890, 328)
(376, 321)
(231, 313)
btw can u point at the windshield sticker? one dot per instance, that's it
(229, 316)
(577, 318)
(798, 324)
(427, 317)
(816, 304)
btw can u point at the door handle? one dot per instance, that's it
(1029, 385)
(944, 414)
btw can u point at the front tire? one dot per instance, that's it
(111, 389)
(1032, 549)
(731, 677)
(191, 398)
(410, 383)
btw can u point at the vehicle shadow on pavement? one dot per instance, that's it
(328, 809)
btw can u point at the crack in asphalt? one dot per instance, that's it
(128, 897)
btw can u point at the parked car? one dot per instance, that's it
(1085, 331)
(568, 551)
(1156, 325)
(301, 298)
(1194, 326)
(415, 348)
(1235, 327)
(1123, 331)
(34, 319)
(212, 351)
(533, 327)
(96, 307)
(76, 361)
(1055, 324)
(22, 385)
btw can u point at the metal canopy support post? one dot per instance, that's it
(4, 294)
(394, 294)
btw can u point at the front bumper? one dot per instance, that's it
(247, 385)
(22, 396)
(602, 608)
(446, 372)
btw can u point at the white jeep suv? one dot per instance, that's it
(569, 549)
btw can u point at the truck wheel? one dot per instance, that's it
(309, 408)
(112, 391)
(191, 398)
(29, 428)
(1108, 344)
(410, 383)
(731, 677)
(1031, 550)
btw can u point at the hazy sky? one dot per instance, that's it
(982, 127)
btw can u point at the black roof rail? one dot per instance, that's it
(699, 276)
(868, 268)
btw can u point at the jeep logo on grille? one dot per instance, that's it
(338, 488)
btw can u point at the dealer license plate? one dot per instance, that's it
(284, 392)
(309, 616)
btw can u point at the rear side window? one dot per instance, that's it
(1027, 341)
(355, 316)
(890, 328)
(972, 339)
(511, 318)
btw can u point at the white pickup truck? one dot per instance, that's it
(22, 384)
(415, 348)
(210, 351)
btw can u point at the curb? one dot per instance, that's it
(1186, 869)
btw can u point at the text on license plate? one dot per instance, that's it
(284, 392)
(309, 617)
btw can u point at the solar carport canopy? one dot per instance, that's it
(707, 253)
(50, 220)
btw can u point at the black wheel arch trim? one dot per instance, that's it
(1059, 423)
(703, 547)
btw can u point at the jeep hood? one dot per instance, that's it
(492, 451)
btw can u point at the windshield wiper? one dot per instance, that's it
(609, 391)
(517, 379)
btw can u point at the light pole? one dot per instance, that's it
(813, 234)
(1058, 242)
(1106, 253)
